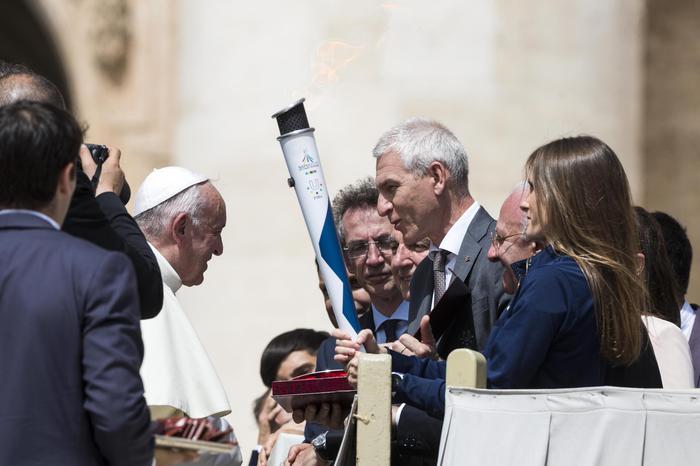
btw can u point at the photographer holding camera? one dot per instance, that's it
(97, 210)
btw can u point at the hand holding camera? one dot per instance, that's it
(101, 164)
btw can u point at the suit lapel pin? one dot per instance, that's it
(467, 258)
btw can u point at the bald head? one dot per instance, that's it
(27, 85)
(509, 244)
(512, 216)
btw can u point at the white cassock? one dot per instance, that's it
(176, 369)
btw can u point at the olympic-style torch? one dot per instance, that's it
(306, 177)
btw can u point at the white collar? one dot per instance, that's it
(167, 272)
(400, 313)
(35, 213)
(687, 317)
(452, 241)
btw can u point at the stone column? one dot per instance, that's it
(672, 118)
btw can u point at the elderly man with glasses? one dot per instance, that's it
(508, 241)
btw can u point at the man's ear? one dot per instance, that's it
(438, 174)
(641, 261)
(66, 180)
(179, 228)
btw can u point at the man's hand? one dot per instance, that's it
(304, 454)
(271, 418)
(289, 428)
(111, 177)
(346, 349)
(408, 345)
(327, 414)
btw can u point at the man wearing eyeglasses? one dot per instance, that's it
(508, 241)
(369, 243)
(422, 177)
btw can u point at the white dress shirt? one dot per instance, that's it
(400, 314)
(687, 319)
(452, 242)
(176, 369)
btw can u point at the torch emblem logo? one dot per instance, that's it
(307, 161)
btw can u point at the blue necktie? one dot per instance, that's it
(389, 327)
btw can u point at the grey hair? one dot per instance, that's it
(362, 194)
(419, 142)
(154, 221)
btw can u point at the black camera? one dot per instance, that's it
(99, 154)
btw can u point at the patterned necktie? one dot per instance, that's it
(389, 327)
(439, 275)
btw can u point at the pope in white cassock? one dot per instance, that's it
(182, 215)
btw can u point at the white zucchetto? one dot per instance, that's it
(162, 184)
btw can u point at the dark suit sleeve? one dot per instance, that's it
(325, 356)
(112, 355)
(148, 276)
(423, 384)
(418, 434)
(105, 222)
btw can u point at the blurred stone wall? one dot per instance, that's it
(120, 57)
(672, 118)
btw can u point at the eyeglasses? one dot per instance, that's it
(498, 240)
(359, 249)
(420, 246)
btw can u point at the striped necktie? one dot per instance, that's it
(439, 275)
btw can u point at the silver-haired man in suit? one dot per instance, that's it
(422, 176)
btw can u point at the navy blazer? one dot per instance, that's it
(547, 338)
(70, 351)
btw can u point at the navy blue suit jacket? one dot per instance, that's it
(547, 338)
(70, 351)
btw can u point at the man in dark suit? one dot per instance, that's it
(71, 347)
(422, 177)
(680, 252)
(96, 214)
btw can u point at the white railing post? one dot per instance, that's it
(466, 369)
(374, 410)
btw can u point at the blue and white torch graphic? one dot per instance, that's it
(306, 177)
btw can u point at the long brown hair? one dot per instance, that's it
(585, 204)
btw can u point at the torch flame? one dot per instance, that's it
(331, 58)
